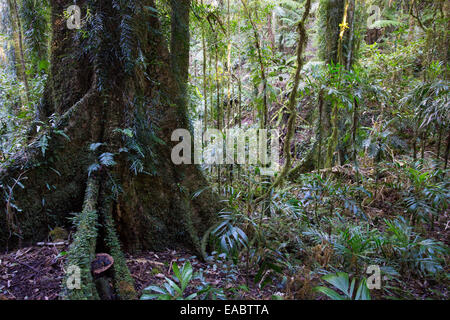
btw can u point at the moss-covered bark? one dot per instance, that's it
(330, 17)
(83, 247)
(110, 84)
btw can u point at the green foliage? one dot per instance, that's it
(36, 18)
(379, 142)
(15, 115)
(82, 249)
(424, 256)
(371, 203)
(49, 131)
(429, 100)
(341, 282)
(173, 289)
(232, 238)
(425, 196)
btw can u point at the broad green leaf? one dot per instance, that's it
(340, 280)
(363, 292)
(329, 293)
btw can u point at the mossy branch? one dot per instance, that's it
(303, 39)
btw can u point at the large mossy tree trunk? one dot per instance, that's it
(110, 107)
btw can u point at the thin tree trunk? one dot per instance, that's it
(302, 42)
(354, 133)
(447, 152)
(205, 92)
(18, 29)
(439, 143)
(424, 137)
(320, 131)
(264, 113)
(352, 9)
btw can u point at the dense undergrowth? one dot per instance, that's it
(384, 204)
(381, 205)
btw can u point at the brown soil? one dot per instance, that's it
(36, 273)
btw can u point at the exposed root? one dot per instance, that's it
(303, 39)
(82, 250)
(82, 102)
(123, 282)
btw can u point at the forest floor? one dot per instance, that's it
(36, 273)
